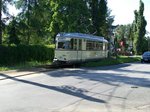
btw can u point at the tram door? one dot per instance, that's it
(79, 49)
(77, 46)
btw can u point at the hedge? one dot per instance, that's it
(23, 53)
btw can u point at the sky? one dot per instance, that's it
(13, 10)
(123, 10)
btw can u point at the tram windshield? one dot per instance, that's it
(65, 45)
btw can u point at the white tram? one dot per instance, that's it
(78, 47)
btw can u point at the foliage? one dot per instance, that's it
(12, 33)
(40, 20)
(22, 53)
(133, 34)
(69, 16)
(123, 37)
(99, 13)
(148, 40)
(145, 46)
(34, 21)
(84, 16)
(103, 11)
(139, 29)
(3, 9)
(112, 61)
(4, 68)
(24, 65)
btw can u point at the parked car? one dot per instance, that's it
(146, 57)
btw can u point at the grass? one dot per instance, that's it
(112, 61)
(3, 68)
(26, 65)
(104, 62)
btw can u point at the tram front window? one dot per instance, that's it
(64, 45)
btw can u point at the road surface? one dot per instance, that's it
(119, 88)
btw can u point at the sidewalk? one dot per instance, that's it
(19, 73)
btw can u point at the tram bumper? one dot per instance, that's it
(58, 62)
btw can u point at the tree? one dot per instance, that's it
(108, 27)
(99, 12)
(94, 15)
(41, 20)
(34, 20)
(139, 26)
(69, 16)
(123, 36)
(0, 21)
(103, 14)
(12, 32)
(26, 6)
(148, 39)
(3, 9)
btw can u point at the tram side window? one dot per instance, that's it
(71, 43)
(99, 45)
(89, 45)
(74, 44)
(80, 44)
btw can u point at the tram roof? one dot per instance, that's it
(81, 35)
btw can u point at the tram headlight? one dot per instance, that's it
(55, 59)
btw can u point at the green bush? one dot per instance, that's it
(22, 53)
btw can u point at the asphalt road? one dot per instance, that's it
(119, 88)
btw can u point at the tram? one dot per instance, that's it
(79, 47)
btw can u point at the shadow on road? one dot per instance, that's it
(106, 78)
(63, 89)
(119, 76)
(112, 67)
